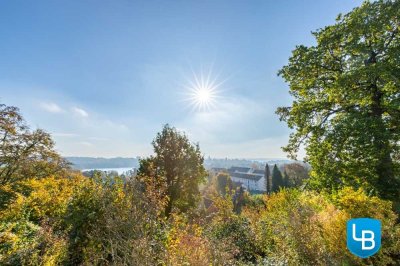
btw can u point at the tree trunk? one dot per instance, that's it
(386, 182)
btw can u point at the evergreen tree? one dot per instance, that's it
(267, 177)
(277, 179)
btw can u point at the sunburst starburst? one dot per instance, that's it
(203, 91)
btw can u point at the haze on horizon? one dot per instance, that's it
(104, 77)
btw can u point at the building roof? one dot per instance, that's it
(247, 176)
(235, 169)
(260, 172)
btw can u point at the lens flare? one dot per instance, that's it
(203, 92)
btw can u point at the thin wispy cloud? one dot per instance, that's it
(65, 135)
(98, 139)
(112, 124)
(233, 120)
(51, 107)
(79, 111)
(86, 143)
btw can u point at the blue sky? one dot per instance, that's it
(104, 76)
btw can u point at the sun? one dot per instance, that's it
(204, 95)
(203, 98)
(203, 92)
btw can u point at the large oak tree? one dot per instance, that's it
(346, 108)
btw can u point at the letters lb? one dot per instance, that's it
(363, 236)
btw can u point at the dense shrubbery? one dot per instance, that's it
(310, 229)
(78, 220)
(28, 223)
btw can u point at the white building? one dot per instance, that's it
(249, 178)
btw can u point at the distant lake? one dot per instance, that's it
(120, 170)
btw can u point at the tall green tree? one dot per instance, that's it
(176, 168)
(267, 177)
(277, 179)
(346, 108)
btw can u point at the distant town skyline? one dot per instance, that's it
(104, 77)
